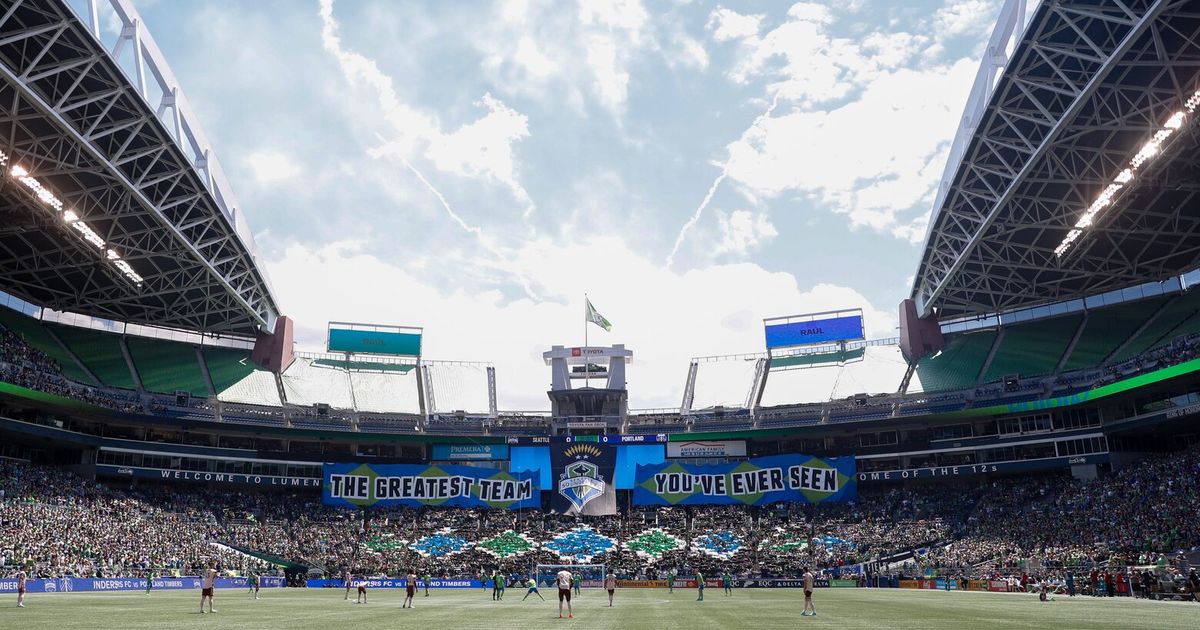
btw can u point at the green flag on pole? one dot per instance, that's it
(596, 318)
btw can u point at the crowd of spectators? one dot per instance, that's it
(62, 524)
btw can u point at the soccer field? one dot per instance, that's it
(294, 609)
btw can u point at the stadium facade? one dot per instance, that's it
(1052, 324)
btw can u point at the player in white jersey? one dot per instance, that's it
(564, 592)
(808, 592)
(610, 585)
(20, 589)
(206, 587)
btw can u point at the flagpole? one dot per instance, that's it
(587, 381)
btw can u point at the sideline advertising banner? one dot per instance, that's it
(706, 448)
(583, 479)
(469, 452)
(69, 585)
(759, 481)
(413, 485)
(393, 583)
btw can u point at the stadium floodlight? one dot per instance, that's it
(72, 219)
(1152, 148)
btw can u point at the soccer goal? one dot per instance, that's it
(590, 575)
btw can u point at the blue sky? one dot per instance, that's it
(474, 168)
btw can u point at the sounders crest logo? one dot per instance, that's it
(581, 481)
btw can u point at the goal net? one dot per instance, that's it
(590, 575)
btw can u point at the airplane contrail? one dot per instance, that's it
(712, 190)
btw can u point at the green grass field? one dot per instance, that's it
(759, 609)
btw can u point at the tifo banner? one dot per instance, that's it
(759, 481)
(696, 448)
(68, 585)
(583, 479)
(383, 485)
(469, 452)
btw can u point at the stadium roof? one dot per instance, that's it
(111, 201)
(1086, 87)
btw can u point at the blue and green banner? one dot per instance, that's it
(758, 481)
(413, 485)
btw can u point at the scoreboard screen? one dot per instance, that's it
(806, 330)
(374, 339)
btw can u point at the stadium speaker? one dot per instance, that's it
(860, 400)
(322, 410)
(719, 411)
(182, 399)
(1012, 382)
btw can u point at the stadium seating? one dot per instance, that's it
(1169, 324)
(1032, 349)
(582, 544)
(439, 545)
(1106, 329)
(306, 384)
(956, 367)
(227, 366)
(167, 366)
(35, 335)
(100, 352)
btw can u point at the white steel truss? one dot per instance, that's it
(110, 133)
(1087, 83)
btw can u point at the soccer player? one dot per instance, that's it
(21, 589)
(700, 585)
(410, 589)
(482, 580)
(671, 581)
(727, 583)
(533, 590)
(610, 585)
(149, 581)
(362, 590)
(254, 583)
(808, 589)
(502, 582)
(347, 581)
(564, 580)
(578, 579)
(428, 579)
(496, 586)
(206, 590)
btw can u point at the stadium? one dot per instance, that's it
(1024, 451)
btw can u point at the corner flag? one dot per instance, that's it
(596, 318)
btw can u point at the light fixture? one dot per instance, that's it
(1152, 148)
(72, 219)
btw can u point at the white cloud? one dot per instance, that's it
(341, 281)
(269, 166)
(479, 149)
(871, 159)
(964, 17)
(867, 133)
(742, 231)
(726, 24)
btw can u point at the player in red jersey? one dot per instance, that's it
(410, 589)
